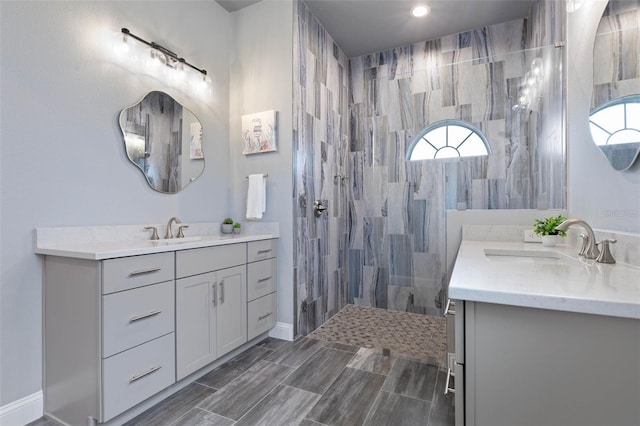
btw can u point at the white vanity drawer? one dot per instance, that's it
(261, 278)
(133, 317)
(261, 315)
(207, 259)
(260, 250)
(134, 375)
(130, 272)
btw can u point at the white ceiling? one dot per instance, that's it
(233, 5)
(365, 26)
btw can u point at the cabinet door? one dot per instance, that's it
(231, 309)
(195, 323)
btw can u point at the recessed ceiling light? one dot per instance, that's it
(420, 11)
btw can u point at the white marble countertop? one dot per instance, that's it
(561, 282)
(107, 242)
(110, 250)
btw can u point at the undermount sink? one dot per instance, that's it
(526, 256)
(167, 241)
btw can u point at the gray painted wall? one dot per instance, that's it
(63, 160)
(605, 198)
(261, 74)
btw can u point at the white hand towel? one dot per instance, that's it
(256, 197)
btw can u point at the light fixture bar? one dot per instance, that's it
(164, 50)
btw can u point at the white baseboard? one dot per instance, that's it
(283, 331)
(22, 411)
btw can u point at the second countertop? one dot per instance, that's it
(561, 282)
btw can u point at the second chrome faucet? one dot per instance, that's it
(590, 250)
(590, 247)
(169, 233)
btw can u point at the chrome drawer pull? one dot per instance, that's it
(264, 251)
(215, 294)
(146, 373)
(447, 389)
(222, 291)
(261, 317)
(451, 308)
(261, 280)
(144, 271)
(143, 316)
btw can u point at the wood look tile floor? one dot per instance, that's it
(308, 382)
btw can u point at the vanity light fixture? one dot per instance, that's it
(162, 62)
(420, 11)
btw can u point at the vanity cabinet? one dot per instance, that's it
(108, 334)
(211, 312)
(529, 366)
(119, 330)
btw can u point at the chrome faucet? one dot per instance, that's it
(169, 233)
(590, 250)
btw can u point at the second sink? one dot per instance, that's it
(167, 241)
(526, 256)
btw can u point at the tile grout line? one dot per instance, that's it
(305, 359)
(323, 393)
(373, 405)
(408, 396)
(434, 397)
(175, 423)
(241, 375)
(228, 365)
(210, 387)
(272, 389)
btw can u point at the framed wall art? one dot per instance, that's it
(259, 132)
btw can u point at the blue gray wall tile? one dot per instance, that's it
(382, 241)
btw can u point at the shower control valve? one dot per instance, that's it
(318, 208)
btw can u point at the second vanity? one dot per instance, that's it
(544, 337)
(126, 320)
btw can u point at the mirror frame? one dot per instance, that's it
(163, 139)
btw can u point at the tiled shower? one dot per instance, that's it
(382, 243)
(320, 133)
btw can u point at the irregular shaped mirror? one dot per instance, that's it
(164, 140)
(615, 116)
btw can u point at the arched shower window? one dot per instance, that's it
(448, 139)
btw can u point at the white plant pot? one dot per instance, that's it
(549, 240)
(226, 229)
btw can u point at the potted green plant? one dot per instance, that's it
(546, 228)
(236, 228)
(227, 226)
